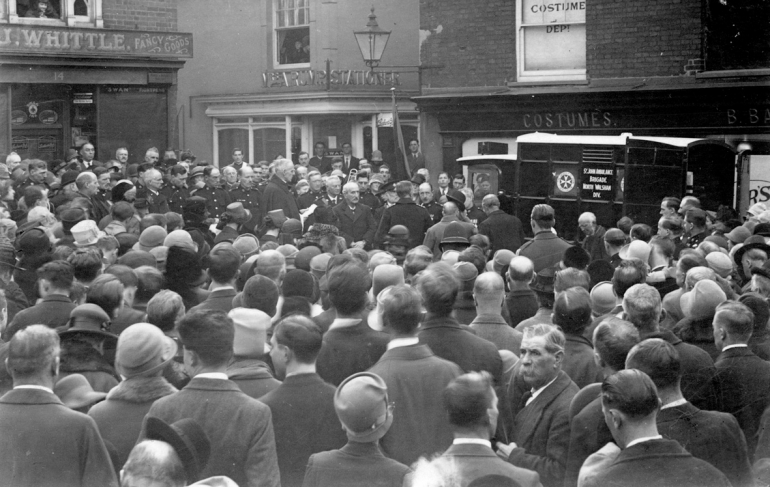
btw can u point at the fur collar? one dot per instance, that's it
(141, 389)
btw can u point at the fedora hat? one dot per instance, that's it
(637, 249)
(89, 319)
(237, 213)
(86, 233)
(544, 280)
(188, 439)
(75, 392)
(455, 233)
(142, 350)
(457, 197)
(361, 403)
(702, 300)
(753, 242)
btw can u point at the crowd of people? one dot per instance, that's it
(305, 325)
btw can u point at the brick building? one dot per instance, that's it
(680, 68)
(98, 71)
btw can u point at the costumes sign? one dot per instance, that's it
(597, 182)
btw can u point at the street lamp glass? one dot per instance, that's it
(372, 42)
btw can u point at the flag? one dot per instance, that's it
(398, 139)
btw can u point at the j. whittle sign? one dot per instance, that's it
(92, 42)
(308, 77)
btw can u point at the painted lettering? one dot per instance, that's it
(753, 118)
(731, 118)
(5, 40)
(558, 7)
(32, 37)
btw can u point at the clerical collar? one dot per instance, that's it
(31, 386)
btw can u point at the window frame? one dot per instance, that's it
(277, 30)
(523, 76)
(68, 18)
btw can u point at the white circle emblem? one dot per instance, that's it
(565, 182)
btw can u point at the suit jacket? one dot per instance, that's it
(435, 234)
(305, 423)
(449, 341)
(504, 231)
(405, 212)
(416, 161)
(658, 463)
(545, 250)
(474, 461)
(496, 330)
(349, 466)
(352, 165)
(323, 164)
(221, 299)
(522, 305)
(277, 196)
(356, 225)
(52, 311)
(541, 430)
(588, 433)
(741, 381)
(46, 444)
(348, 350)
(239, 428)
(416, 379)
(252, 376)
(579, 361)
(711, 436)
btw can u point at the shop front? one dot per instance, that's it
(63, 87)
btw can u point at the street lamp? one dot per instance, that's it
(372, 42)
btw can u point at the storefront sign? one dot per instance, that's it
(748, 116)
(44, 40)
(47, 143)
(337, 77)
(20, 143)
(563, 120)
(597, 182)
(115, 90)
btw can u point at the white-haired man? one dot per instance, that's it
(277, 195)
(356, 222)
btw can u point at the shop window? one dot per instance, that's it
(73, 13)
(291, 21)
(736, 38)
(551, 40)
(269, 143)
(230, 139)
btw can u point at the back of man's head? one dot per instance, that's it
(572, 310)
(628, 273)
(349, 284)
(467, 399)
(209, 333)
(260, 293)
(417, 260)
(224, 260)
(658, 359)
(450, 208)
(489, 289)
(613, 339)
(301, 335)
(576, 257)
(153, 463)
(631, 392)
(404, 189)
(736, 319)
(400, 308)
(33, 352)
(125, 274)
(571, 277)
(521, 269)
(58, 273)
(642, 305)
(153, 219)
(150, 282)
(438, 285)
(271, 264)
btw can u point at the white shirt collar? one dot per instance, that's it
(674, 404)
(344, 323)
(212, 375)
(642, 440)
(42, 388)
(403, 342)
(472, 441)
(536, 393)
(737, 345)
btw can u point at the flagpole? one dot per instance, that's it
(399, 135)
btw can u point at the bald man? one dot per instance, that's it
(522, 302)
(435, 234)
(504, 231)
(593, 242)
(489, 296)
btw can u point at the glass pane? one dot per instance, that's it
(332, 131)
(269, 143)
(484, 180)
(134, 120)
(233, 120)
(229, 139)
(546, 49)
(535, 179)
(294, 46)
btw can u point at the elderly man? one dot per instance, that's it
(44, 442)
(231, 178)
(404, 212)
(247, 193)
(240, 428)
(539, 418)
(415, 377)
(471, 404)
(277, 194)
(88, 187)
(489, 296)
(86, 158)
(356, 222)
(546, 248)
(333, 186)
(435, 234)
(521, 301)
(217, 199)
(152, 156)
(593, 242)
(504, 230)
(153, 183)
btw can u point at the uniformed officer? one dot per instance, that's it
(217, 199)
(546, 248)
(427, 202)
(695, 226)
(249, 195)
(175, 189)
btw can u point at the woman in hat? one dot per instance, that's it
(184, 275)
(124, 190)
(231, 222)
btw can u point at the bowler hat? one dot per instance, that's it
(238, 214)
(417, 179)
(292, 226)
(388, 187)
(69, 177)
(143, 349)
(188, 439)
(89, 319)
(152, 236)
(361, 403)
(457, 197)
(762, 229)
(76, 392)
(195, 205)
(33, 242)
(304, 256)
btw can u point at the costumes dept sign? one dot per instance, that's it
(597, 182)
(43, 40)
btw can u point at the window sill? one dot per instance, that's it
(546, 82)
(291, 67)
(34, 21)
(733, 73)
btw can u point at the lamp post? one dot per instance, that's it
(372, 42)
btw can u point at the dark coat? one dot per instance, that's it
(449, 341)
(699, 333)
(405, 212)
(545, 250)
(594, 245)
(251, 199)
(474, 461)
(416, 379)
(252, 376)
(496, 330)
(711, 436)
(742, 382)
(579, 361)
(353, 463)
(126, 318)
(504, 231)
(239, 428)
(80, 357)
(305, 422)
(156, 202)
(348, 350)
(588, 433)
(46, 444)
(217, 199)
(416, 161)
(120, 416)
(323, 164)
(221, 299)
(435, 234)
(277, 196)
(522, 305)
(52, 311)
(541, 430)
(658, 463)
(356, 225)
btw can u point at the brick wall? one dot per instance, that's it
(628, 38)
(474, 40)
(152, 15)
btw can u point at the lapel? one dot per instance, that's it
(350, 213)
(528, 419)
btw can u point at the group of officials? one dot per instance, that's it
(413, 340)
